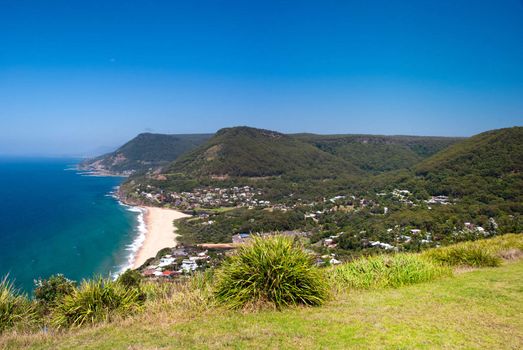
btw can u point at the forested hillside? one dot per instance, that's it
(146, 151)
(487, 166)
(375, 153)
(250, 152)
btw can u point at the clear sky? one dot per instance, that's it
(79, 76)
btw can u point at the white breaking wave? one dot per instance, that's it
(136, 244)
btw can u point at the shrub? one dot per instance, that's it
(48, 292)
(163, 252)
(16, 310)
(463, 255)
(96, 300)
(270, 270)
(157, 290)
(130, 278)
(499, 244)
(481, 253)
(386, 271)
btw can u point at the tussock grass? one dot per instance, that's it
(480, 310)
(482, 253)
(16, 310)
(95, 301)
(386, 271)
(190, 295)
(271, 271)
(464, 255)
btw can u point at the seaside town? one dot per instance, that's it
(203, 197)
(204, 200)
(183, 260)
(247, 196)
(173, 262)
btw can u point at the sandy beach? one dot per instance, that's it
(160, 232)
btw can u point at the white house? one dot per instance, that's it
(189, 265)
(166, 261)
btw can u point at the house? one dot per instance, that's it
(166, 261)
(439, 200)
(240, 238)
(327, 241)
(189, 265)
(381, 245)
(405, 238)
(148, 272)
(334, 261)
(179, 252)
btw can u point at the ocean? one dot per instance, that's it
(55, 219)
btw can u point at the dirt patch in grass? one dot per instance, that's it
(464, 269)
(511, 254)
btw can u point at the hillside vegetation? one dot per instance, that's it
(401, 301)
(250, 152)
(370, 153)
(488, 166)
(374, 153)
(146, 151)
(276, 163)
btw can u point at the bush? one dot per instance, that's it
(463, 255)
(16, 310)
(481, 253)
(386, 271)
(499, 244)
(130, 278)
(271, 270)
(48, 292)
(95, 301)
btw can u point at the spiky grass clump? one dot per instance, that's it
(499, 245)
(386, 271)
(271, 270)
(482, 253)
(464, 255)
(95, 301)
(16, 310)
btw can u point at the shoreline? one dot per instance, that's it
(156, 231)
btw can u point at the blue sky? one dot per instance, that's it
(78, 77)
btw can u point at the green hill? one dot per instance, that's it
(487, 166)
(376, 153)
(146, 151)
(250, 152)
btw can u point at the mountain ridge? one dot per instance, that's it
(146, 151)
(150, 151)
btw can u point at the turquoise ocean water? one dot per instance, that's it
(54, 219)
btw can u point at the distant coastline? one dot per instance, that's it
(91, 171)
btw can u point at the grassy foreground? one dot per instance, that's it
(476, 309)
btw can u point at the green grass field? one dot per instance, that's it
(477, 309)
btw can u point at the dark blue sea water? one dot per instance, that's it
(53, 220)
